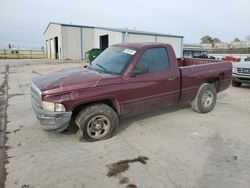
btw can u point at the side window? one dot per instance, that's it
(156, 59)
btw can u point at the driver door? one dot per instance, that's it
(154, 88)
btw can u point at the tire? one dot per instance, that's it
(96, 122)
(236, 84)
(205, 99)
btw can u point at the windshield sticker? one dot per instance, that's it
(128, 51)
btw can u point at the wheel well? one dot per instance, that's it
(215, 82)
(108, 102)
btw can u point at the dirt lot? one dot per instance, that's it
(175, 148)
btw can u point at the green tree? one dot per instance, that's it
(206, 40)
(209, 40)
(216, 40)
(236, 40)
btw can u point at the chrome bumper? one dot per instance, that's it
(241, 78)
(57, 121)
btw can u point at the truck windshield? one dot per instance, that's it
(113, 60)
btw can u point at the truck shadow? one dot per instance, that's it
(72, 128)
(126, 122)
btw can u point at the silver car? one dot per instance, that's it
(241, 73)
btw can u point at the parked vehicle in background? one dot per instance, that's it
(204, 56)
(231, 59)
(125, 80)
(241, 74)
(247, 59)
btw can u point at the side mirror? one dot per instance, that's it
(140, 68)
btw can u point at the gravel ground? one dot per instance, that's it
(170, 148)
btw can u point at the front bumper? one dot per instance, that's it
(57, 121)
(241, 78)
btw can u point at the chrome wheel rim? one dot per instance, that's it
(207, 99)
(98, 127)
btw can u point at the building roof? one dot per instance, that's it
(116, 30)
(141, 45)
(195, 47)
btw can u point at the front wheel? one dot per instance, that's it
(205, 99)
(97, 122)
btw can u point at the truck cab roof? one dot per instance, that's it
(141, 45)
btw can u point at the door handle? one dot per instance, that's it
(171, 77)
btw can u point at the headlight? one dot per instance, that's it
(53, 107)
(234, 70)
(59, 107)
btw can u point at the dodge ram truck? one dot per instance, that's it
(125, 80)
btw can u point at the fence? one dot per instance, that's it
(220, 56)
(21, 54)
(231, 51)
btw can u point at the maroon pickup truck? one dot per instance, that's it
(126, 79)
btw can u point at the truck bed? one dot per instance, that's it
(194, 72)
(183, 62)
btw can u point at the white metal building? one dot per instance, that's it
(66, 41)
(190, 50)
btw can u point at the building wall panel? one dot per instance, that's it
(175, 42)
(114, 37)
(88, 39)
(71, 42)
(139, 38)
(54, 30)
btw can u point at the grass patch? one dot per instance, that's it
(22, 56)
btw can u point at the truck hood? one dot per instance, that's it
(73, 79)
(242, 65)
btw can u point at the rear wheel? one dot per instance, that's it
(236, 84)
(205, 99)
(97, 122)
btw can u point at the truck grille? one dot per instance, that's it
(243, 71)
(35, 95)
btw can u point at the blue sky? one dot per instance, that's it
(24, 21)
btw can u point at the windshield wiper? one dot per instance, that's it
(101, 67)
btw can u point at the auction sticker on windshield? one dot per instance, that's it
(128, 51)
